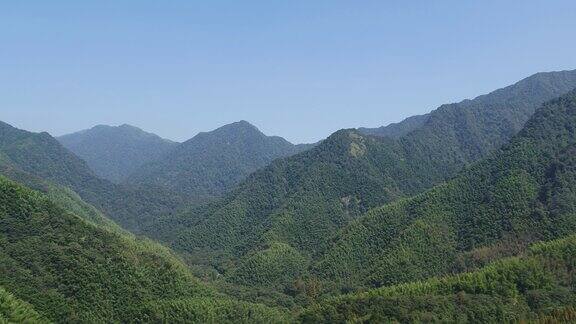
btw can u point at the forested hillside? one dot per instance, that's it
(113, 153)
(212, 163)
(523, 193)
(42, 156)
(13, 310)
(71, 271)
(301, 201)
(537, 287)
(60, 195)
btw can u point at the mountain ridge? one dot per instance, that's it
(409, 124)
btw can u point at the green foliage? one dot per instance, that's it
(71, 270)
(538, 286)
(523, 193)
(276, 265)
(62, 196)
(203, 310)
(115, 152)
(13, 310)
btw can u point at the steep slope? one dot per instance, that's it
(115, 152)
(522, 193)
(42, 156)
(538, 287)
(72, 271)
(60, 195)
(303, 200)
(212, 163)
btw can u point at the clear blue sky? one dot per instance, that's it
(300, 69)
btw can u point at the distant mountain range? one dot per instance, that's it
(113, 153)
(212, 163)
(206, 166)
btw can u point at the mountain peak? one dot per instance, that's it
(127, 126)
(113, 152)
(212, 163)
(240, 128)
(123, 127)
(242, 124)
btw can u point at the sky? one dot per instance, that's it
(299, 69)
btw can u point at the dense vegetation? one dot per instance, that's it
(70, 270)
(523, 193)
(113, 153)
(64, 197)
(212, 163)
(40, 155)
(538, 286)
(210, 310)
(303, 200)
(13, 310)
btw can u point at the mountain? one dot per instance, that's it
(466, 214)
(67, 270)
(535, 288)
(212, 163)
(288, 212)
(113, 153)
(523, 193)
(41, 156)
